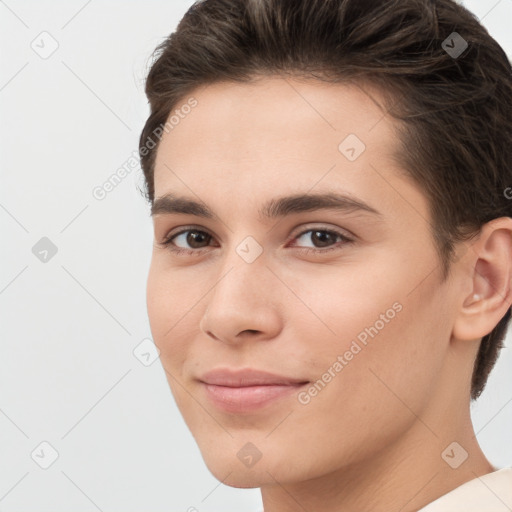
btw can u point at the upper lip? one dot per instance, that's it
(247, 377)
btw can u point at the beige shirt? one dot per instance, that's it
(488, 493)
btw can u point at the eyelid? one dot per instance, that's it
(321, 226)
(184, 229)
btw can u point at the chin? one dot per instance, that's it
(235, 475)
(226, 463)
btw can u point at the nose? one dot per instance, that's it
(243, 303)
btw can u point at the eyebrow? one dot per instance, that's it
(274, 208)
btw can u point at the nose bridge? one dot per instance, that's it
(239, 300)
(242, 270)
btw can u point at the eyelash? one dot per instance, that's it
(168, 241)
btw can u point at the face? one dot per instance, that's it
(340, 298)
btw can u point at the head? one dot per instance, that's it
(255, 101)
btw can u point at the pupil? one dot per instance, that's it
(319, 235)
(195, 237)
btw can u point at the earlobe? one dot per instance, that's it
(490, 295)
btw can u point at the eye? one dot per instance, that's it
(322, 237)
(195, 238)
(322, 240)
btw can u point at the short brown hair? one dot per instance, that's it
(455, 110)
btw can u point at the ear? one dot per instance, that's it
(489, 281)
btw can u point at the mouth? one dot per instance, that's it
(238, 391)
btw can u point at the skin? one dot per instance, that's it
(372, 439)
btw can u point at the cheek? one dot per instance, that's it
(164, 313)
(168, 297)
(373, 339)
(167, 307)
(342, 305)
(158, 302)
(378, 382)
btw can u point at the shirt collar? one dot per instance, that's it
(490, 493)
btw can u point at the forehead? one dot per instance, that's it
(277, 117)
(281, 135)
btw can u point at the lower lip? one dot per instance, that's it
(249, 398)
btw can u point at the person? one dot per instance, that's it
(329, 186)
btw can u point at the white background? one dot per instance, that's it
(69, 326)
